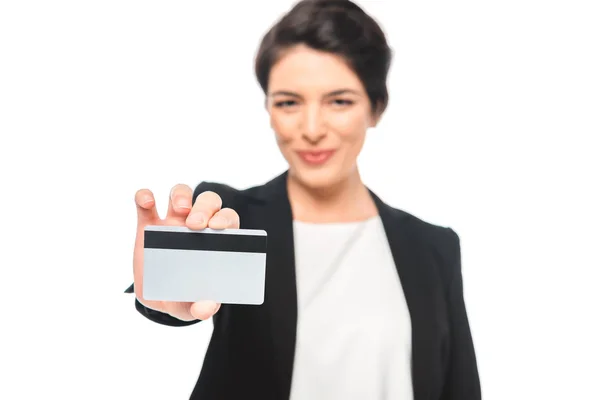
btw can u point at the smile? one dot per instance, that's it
(316, 157)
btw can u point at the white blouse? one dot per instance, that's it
(354, 329)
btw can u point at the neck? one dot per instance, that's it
(348, 200)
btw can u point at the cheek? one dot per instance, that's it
(284, 126)
(351, 126)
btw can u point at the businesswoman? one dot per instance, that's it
(362, 300)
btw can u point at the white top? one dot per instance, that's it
(354, 329)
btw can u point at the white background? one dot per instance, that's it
(492, 129)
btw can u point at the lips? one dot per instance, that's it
(316, 157)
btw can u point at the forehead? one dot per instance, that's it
(305, 69)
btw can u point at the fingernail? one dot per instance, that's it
(181, 202)
(197, 218)
(146, 200)
(219, 220)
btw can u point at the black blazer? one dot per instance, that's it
(251, 352)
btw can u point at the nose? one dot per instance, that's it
(313, 129)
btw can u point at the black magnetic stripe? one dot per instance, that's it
(205, 241)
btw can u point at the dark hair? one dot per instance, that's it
(335, 26)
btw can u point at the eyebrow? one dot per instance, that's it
(334, 93)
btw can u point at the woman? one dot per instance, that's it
(363, 301)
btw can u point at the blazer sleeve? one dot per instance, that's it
(157, 316)
(462, 381)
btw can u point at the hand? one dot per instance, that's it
(205, 212)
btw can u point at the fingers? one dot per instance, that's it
(146, 207)
(225, 219)
(206, 205)
(180, 201)
(203, 310)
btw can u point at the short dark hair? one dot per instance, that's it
(336, 26)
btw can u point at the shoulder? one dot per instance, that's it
(442, 238)
(438, 242)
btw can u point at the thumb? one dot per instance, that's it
(205, 309)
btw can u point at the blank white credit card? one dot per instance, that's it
(226, 266)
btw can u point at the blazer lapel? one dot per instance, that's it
(280, 289)
(413, 271)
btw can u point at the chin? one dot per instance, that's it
(318, 178)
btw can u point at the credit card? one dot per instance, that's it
(227, 266)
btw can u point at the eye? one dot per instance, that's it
(285, 103)
(342, 102)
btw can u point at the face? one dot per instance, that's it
(320, 113)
